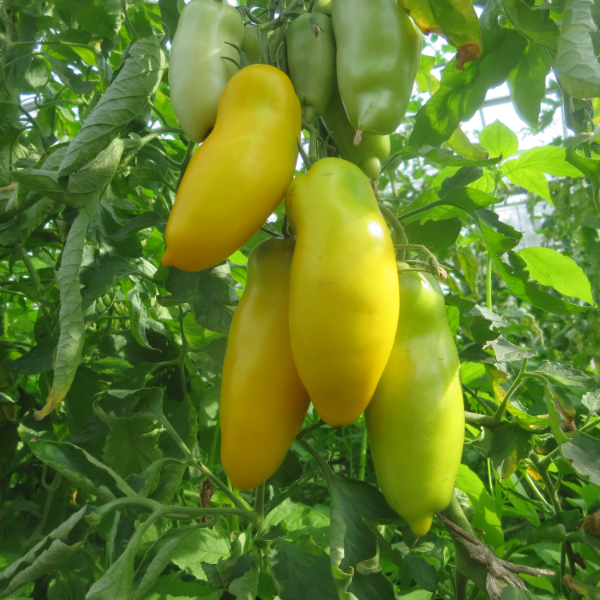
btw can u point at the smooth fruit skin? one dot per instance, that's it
(311, 63)
(263, 401)
(372, 151)
(240, 173)
(197, 72)
(251, 44)
(344, 288)
(415, 420)
(378, 54)
(324, 6)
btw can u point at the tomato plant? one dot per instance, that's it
(112, 484)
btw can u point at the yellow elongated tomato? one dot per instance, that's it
(344, 288)
(240, 173)
(263, 401)
(416, 420)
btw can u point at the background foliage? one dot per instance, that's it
(119, 493)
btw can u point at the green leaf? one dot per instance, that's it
(81, 468)
(435, 235)
(143, 221)
(426, 82)
(500, 239)
(461, 144)
(424, 573)
(289, 471)
(485, 517)
(462, 93)
(210, 292)
(300, 520)
(576, 64)
(72, 327)
(352, 540)
(168, 547)
(102, 17)
(49, 555)
(510, 445)
(302, 571)
(533, 23)
(470, 371)
(169, 14)
(463, 177)
(375, 586)
(549, 267)
(26, 223)
(124, 100)
(564, 374)
(68, 77)
(41, 181)
(555, 529)
(511, 593)
(592, 401)
(550, 160)
(201, 545)
(583, 451)
(246, 586)
(170, 587)
(499, 140)
(132, 443)
(530, 179)
(88, 186)
(527, 83)
(103, 274)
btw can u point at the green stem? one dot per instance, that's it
(237, 501)
(543, 471)
(52, 489)
(550, 456)
(35, 280)
(461, 586)
(513, 388)
(235, 524)
(275, 22)
(552, 492)
(536, 490)
(305, 159)
(285, 494)
(172, 162)
(488, 284)
(312, 144)
(474, 593)
(399, 234)
(58, 43)
(213, 445)
(33, 122)
(478, 419)
(363, 450)
(186, 161)
(181, 513)
(490, 472)
(195, 463)
(310, 429)
(471, 569)
(259, 507)
(416, 211)
(325, 469)
(483, 403)
(29, 55)
(128, 23)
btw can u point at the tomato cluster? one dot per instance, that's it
(320, 318)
